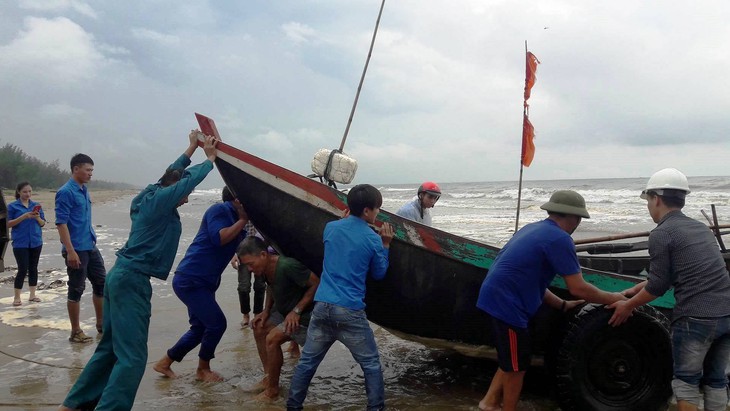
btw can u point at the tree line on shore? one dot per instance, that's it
(17, 166)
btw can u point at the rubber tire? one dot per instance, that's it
(605, 368)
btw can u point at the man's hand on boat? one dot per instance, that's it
(386, 234)
(209, 148)
(242, 215)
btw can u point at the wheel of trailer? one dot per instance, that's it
(600, 367)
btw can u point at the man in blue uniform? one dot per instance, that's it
(351, 251)
(517, 285)
(114, 372)
(196, 280)
(78, 245)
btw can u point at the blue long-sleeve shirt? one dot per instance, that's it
(206, 258)
(28, 233)
(156, 227)
(73, 208)
(351, 251)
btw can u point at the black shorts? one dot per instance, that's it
(513, 346)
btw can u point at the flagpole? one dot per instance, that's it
(522, 166)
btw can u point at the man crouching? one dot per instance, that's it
(287, 310)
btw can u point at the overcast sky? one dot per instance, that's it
(625, 87)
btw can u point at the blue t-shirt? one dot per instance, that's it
(351, 251)
(515, 285)
(73, 208)
(28, 233)
(206, 258)
(156, 227)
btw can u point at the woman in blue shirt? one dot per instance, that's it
(26, 218)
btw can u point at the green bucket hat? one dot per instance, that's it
(567, 202)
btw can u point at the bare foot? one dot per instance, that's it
(163, 367)
(207, 375)
(269, 395)
(485, 407)
(256, 388)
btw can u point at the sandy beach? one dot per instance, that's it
(38, 365)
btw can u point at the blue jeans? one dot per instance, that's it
(114, 372)
(332, 323)
(701, 349)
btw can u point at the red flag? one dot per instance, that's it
(528, 146)
(530, 70)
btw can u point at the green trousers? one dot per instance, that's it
(114, 372)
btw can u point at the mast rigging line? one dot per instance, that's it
(362, 78)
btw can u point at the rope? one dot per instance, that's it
(41, 363)
(328, 168)
(362, 78)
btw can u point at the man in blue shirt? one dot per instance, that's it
(351, 251)
(517, 285)
(78, 244)
(197, 279)
(114, 372)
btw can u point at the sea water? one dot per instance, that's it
(38, 365)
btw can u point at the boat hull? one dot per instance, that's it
(432, 284)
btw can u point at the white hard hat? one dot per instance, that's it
(668, 182)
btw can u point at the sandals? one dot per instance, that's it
(79, 337)
(17, 303)
(34, 300)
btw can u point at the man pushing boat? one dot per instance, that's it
(517, 285)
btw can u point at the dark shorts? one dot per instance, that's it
(513, 346)
(300, 336)
(92, 267)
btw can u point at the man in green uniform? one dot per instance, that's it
(114, 372)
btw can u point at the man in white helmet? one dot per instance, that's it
(685, 255)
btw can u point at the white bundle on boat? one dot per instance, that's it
(341, 167)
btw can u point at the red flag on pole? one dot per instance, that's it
(528, 146)
(530, 70)
(528, 131)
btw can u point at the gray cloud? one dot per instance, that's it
(624, 88)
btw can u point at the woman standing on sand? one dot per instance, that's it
(26, 218)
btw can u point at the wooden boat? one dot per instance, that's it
(430, 290)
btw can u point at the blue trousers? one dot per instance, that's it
(114, 372)
(207, 321)
(332, 323)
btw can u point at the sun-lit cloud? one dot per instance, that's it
(624, 88)
(57, 52)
